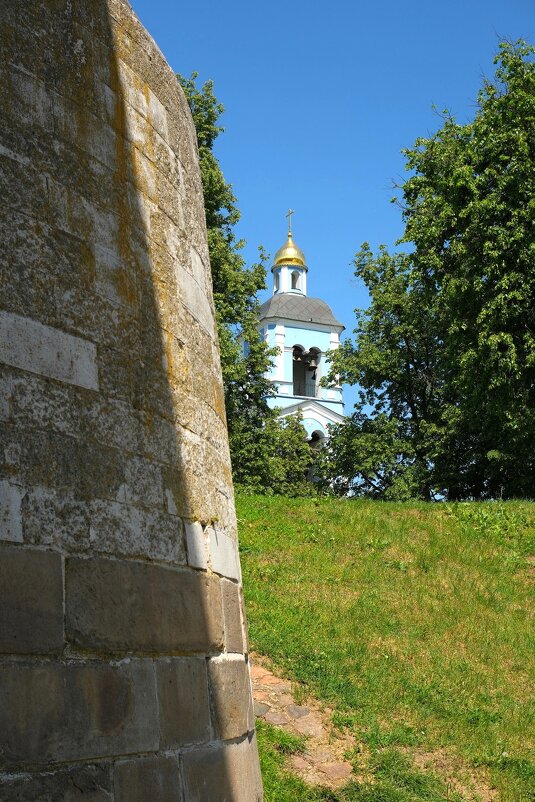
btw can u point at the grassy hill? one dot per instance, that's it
(415, 623)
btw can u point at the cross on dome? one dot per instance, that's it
(289, 216)
(289, 254)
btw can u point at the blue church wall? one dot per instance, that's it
(288, 365)
(307, 338)
(297, 335)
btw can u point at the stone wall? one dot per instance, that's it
(123, 656)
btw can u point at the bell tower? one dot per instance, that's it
(303, 329)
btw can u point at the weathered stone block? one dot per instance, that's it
(245, 628)
(99, 137)
(26, 291)
(153, 779)
(230, 592)
(11, 496)
(184, 701)
(115, 423)
(33, 402)
(91, 316)
(230, 690)
(26, 195)
(117, 373)
(77, 784)
(122, 605)
(55, 518)
(53, 460)
(224, 554)
(54, 712)
(143, 483)
(161, 441)
(197, 545)
(27, 344)
(35, 107)
(31, 613)
(225, 773)
(123, 529)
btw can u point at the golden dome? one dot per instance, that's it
(289, 254)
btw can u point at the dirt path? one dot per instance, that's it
(323, 761)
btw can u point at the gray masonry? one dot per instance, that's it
(123, 650)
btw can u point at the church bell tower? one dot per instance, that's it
(303, 329)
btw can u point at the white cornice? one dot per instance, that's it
(313, 406)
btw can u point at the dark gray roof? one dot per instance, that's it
(294, 306)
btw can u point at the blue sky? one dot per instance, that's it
(320, 99)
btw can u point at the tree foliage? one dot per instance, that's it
(235, 289)
(267, 455)
(445, 354)
(286, 459)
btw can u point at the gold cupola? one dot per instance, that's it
(289, 254)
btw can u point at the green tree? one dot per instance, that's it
(286, 459)
(445, 354)
(291, 457)
(267, 455)
(235, 289)
(385, 448)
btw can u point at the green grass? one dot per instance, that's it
(279, 784)
(414, 622)
(395, 779)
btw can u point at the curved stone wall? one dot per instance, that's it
(123, 656)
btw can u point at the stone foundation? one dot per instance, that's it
(123, 667)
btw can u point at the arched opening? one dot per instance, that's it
(276, 285)
(296, 280)
(305, 371)
(317, 440)
(299, 370)
(311, 378)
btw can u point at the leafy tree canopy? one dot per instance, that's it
(267, 455)
(445, 353)
(235, 287)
